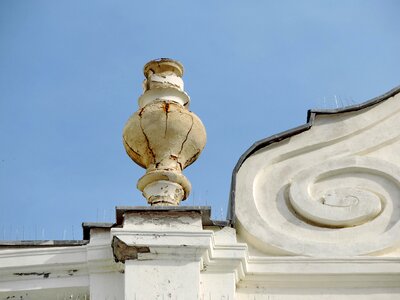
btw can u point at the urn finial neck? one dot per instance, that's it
(163, 82)
(162, 65)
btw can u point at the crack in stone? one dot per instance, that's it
(129, 146)
(166, 108)
(141, 112)
(187, 135)
(147, 140)
(192, 159)
(134, 152)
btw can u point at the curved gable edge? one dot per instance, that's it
(311, 114)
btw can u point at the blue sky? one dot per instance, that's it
(71, 73)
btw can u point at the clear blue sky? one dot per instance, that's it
(71, 73)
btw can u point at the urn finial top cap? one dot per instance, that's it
(163, 65)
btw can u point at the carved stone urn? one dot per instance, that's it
(163, 136)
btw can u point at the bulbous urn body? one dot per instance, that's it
(163, 136)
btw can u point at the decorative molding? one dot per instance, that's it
(330, 191)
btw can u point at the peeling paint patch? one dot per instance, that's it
(44, 274)
(123, 252)
(72, 272)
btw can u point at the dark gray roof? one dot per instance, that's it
(311, 114)
(86, 226)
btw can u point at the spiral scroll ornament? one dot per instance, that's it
(328, 195)
(342, 207)
(331, 189)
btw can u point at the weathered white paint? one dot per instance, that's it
(48, 294)
(146, 279)
(334, 293)
(110, 285)
(219, 286)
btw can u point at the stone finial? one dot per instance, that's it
(163, 136)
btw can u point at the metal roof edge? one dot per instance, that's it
(41, 243)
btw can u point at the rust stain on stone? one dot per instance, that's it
(166, 107)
